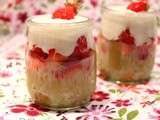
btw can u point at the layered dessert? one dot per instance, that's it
(60, 60)
(126, 46)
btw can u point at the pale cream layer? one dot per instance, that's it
(117, 19)
(62, 35)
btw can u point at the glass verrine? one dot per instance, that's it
(60, 62)
(126, 44)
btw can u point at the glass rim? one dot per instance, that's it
(108, 8)
(29, 21)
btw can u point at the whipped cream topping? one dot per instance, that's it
(44, 19)
(116, 19)
(62, 35)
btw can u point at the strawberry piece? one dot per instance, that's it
(82, 43)
(59, 13)
(139, 6)
(59, 57)
(74, 56)
(71, 7)
(38, 54)
(51, 53)
(126, 37)
(68, 12)
(81, 50)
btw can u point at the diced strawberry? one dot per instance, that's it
(71, 7)
(59, 57)
(75, 55)
(81, 50)
(51, 53)
(38, 53)
(58, 13)
(126, 37)
(82, 43)
(68, 12)
(139, 6)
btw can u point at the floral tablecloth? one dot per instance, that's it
(109, 102)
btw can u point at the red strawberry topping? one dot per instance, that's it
(126, 37)
(139, 6)
(68, 12)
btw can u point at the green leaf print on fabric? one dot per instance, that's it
(122, 112)
(131, 115)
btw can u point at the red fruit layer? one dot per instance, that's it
(139, 6)
(68, 12)
(126, 37)
(80, 52)
(38, 53)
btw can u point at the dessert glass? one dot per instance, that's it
(60, 62)
(126, 45)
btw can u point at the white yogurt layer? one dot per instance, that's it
(48, 19)
(60, 34)
(116, 19)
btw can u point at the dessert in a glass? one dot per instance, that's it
(60, 60)
(126, 43)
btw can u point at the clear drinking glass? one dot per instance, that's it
(126, 44)
(60, 62)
